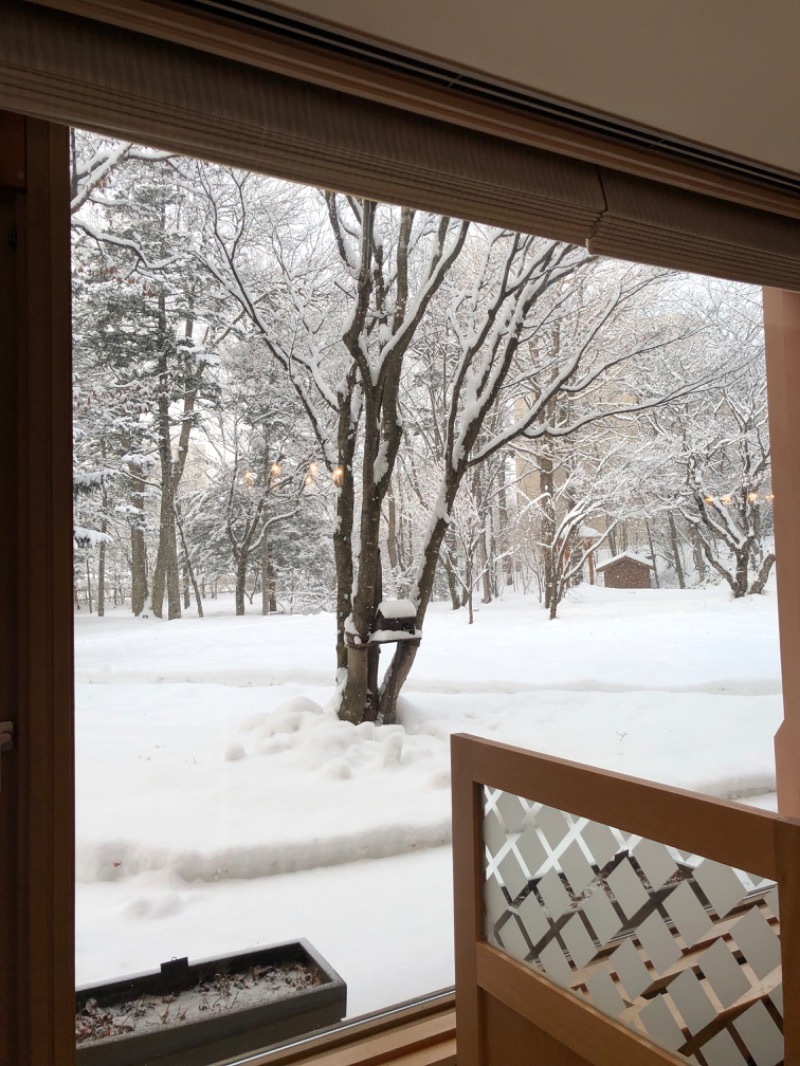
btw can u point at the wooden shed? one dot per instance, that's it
(626, 571)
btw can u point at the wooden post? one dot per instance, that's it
(467, 877)
(782, 340)
(37, 1003)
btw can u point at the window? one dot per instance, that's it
(46, 951)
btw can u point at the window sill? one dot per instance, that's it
(423, 1034)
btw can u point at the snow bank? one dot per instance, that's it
(296, 789)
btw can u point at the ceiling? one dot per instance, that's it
(722, 73)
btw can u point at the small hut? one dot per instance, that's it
(626, 571)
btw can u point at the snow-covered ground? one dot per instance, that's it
(221, 806)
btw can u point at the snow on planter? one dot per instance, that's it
(195, 1015)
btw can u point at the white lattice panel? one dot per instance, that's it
(682, 949)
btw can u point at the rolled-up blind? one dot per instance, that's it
(680, 229)
(81, 71)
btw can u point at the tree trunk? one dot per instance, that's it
(138, 546)
(758, 585)
(503, 539)
(187, 592)
(268, 602)
(101, 554)
(167, 576)
(188, 563)
(483, 562)
(89, 584)
(360, 698)
(548, 528)
(241, 578)
(653, 552)
(448, 561)
(391, 532)
(101, 574)
(343, 528)
(699, 557)
(483, 555)
(676, 552)
(406, 650)
(742, 573)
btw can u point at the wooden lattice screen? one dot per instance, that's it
(601, 919)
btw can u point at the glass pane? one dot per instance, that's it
(309, 430)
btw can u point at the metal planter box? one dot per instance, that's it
(224, 1034)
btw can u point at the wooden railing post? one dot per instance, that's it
(782, 339)
(37, 985)
(467, 881)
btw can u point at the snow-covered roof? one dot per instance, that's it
(397, 609)
(626, 555)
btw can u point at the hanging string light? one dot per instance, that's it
(752, 497)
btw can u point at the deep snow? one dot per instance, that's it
(220, 805)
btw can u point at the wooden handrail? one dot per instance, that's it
(727, 832)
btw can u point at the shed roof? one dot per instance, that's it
(632, 556)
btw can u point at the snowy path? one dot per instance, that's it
(220, 807)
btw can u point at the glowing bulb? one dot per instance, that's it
(337, 475)
(309, 479)
(709, 499)
(249, 478)
(726, 499)
(276, 470)
(752, 496)
(313, 469)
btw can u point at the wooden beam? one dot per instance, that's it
(782, 340)
(12, 152)
(10, 886)
(37, 799)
